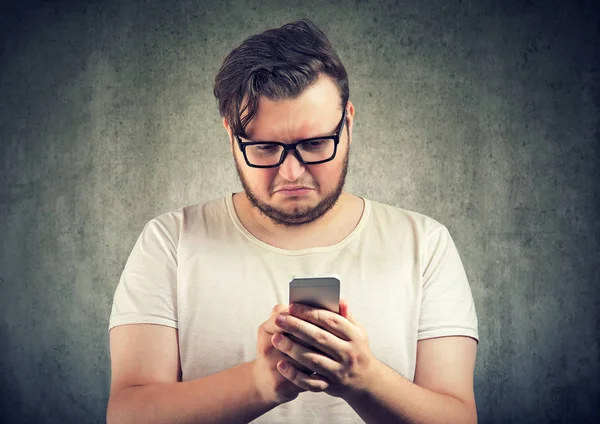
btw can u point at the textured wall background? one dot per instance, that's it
(480, 114)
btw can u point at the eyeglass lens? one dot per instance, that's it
(310, 151)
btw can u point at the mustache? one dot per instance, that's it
(280, 185)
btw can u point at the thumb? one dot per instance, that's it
(345, 312)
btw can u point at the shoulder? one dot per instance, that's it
(172, 223)
(404, 219)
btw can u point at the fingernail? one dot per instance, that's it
(283, 366)
(278, 338)
(280, 319)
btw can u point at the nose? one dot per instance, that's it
(291, 169)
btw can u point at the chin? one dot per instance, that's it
(295, 211)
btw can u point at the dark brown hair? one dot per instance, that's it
(279, 63)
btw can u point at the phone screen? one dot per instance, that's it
(320, 292)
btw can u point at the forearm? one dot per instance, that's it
(229, 396)
(394, 399)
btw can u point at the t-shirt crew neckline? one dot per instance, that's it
(349, 238)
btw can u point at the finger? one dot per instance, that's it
(279, 308)
(270, 326)
(330, 321)
(310, 360)
(345, 312)
(309, 337)
(311, 382)
(277, 356)
(344, 308)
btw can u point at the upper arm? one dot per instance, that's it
(446, 365)
(143, 354)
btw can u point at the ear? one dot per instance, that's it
(229, 133)
(350, 118)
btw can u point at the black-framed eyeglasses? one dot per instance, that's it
(310, 151)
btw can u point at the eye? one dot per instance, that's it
(265, 148)
(315, 144)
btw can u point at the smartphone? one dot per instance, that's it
(320, 292)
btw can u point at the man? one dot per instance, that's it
(190, 332)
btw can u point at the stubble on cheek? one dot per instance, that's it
(298, 215)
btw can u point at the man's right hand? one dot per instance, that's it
(273, 387)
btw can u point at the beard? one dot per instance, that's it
(299, 215)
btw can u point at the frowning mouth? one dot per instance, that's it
(294, 190)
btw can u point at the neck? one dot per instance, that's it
(329, 229)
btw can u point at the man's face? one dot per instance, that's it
(315, 113)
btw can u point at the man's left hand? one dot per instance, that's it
(344, 366)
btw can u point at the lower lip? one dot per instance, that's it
(299, 192)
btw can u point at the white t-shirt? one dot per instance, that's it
(200, 271)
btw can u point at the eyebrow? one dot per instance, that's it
(331, 134)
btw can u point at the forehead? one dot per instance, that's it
(317, 111)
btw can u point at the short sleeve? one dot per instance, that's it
(447, 307)
(147, 289)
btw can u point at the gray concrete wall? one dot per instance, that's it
(481, 114)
